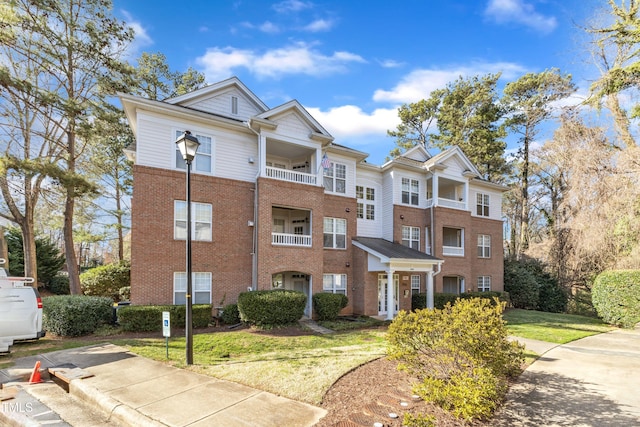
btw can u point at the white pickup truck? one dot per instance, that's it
(20, 310)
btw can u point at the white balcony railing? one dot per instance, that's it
(285, 239)
(452, 251)
(448, 203)
(291, 176)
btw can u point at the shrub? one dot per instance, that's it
(616, 297)
(419, 301)
(521, 284)
(148, 318)
(125, 293)
(551, 297)
(327, 306)
(580, 303)
(106, 280)
(59, 284)
(418, 420)
(271, 308)
(75, 315)
(230, 314)
(461, 354)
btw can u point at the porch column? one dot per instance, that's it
(262, 150)
(390, 302)
(430, 290)
(310, 297)
(319, 171)
(434, 190)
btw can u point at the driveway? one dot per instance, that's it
(589, 382)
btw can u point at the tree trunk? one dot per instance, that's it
(69, 249)
(620, 120)
(29, 251)
(524, 215)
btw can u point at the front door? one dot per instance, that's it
(383, 288)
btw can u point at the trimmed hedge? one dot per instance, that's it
(419, 301)
(106, 280)
(75, 315)
(148, 318)
(327, 306)
(616, 297)
(274, 308)
(230, 314)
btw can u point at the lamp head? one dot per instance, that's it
(188, 145)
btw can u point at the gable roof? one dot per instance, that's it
(212, 89)
(453, 152)
(319, 132)
(388, 251)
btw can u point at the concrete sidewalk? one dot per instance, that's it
(589, 382)
(135, 391)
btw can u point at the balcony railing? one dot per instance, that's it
(285, 239)
(448, 203)
(291, 176)
(452, 251)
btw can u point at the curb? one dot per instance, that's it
(116, 410)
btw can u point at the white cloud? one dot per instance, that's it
(518, 11)
(291, 6)
(141, 39)
(319, 25)
(349, 121)
(390, 63)
(299, 58)
(419, 84)
(269, 27)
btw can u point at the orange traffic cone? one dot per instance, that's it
(35, 375)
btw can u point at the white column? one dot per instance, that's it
(319, 171)
(430, 290)
(309, 298)
(262, 149)
(434, 190)
(390, 302)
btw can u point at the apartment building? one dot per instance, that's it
(277, 203)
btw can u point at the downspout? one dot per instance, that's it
(254, 243)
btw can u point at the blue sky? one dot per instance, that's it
(352, 63)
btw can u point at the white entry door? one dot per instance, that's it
(383, 288)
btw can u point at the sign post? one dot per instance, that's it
(166, 329)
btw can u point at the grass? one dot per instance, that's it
(552, 327)
(302, 367)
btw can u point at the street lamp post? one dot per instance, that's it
(188, 145)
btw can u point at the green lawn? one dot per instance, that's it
(552, 327)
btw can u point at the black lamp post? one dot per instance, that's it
(188, 145)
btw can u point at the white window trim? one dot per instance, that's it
(480, 203)
(181, 275)
(335, 233)
(410, 192)
(366, 203)
(484, 283)
(194, 165)
(193, 221)
(415, 286)
(484, 243)
(411, 239)
(336, 286)
(334, 178)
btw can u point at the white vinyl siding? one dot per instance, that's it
(204, 159)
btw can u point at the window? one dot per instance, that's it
(334, 283)
(200, 221)
(234, 105)
(202, 162)
(484, 283)
(201, 288)
(452, 285)
(482, 204)
(335, 178)
(335, 233)
(484, 246)
(415, 284)
(365, 207)
(410, 189)
(411, 237)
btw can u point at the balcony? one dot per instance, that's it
(291, 175)
(448, 203)
(452, 251)
(286, 239)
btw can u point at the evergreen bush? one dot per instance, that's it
(327, 306)
(521, 284)
(75, 315)
(106, 280)
(616, 297)
(59, 284)
(230, 314)
(274, 308)
(419, 301)
(461, 354)
(148, 318)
